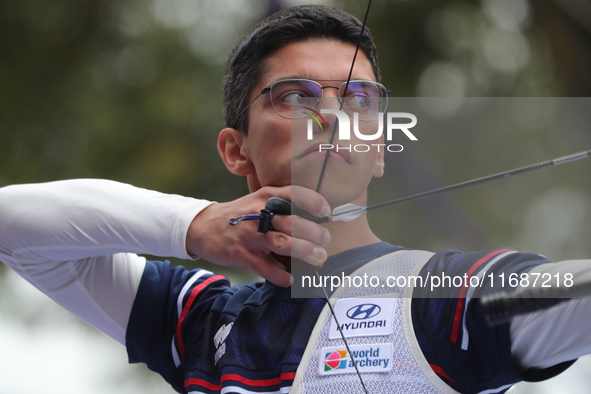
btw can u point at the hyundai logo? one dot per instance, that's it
(363, 311)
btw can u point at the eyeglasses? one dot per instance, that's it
(292, 98)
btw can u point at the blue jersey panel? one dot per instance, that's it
(202, 335)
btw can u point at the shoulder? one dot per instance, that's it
(449, 323)
(501, 259)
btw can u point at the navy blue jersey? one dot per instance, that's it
(203, 335)
(452, 332)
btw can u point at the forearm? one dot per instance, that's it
(561, 333)
(71, 220)
(76, 242)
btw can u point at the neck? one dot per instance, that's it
(349, 235)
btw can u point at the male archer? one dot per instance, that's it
(78, 242)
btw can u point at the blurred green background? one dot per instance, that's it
(130, 90)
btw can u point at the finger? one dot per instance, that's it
(268, 268)
(305, 199)
(301, 228)
(284, 245)
(308, 252)
(310, 201)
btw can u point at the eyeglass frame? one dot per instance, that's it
(344, 81)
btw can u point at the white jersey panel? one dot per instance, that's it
(388, 363)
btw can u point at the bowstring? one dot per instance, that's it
(319, 185)
(334, 129)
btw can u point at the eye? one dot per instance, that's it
(290, 93)
(293, 98)
(360, 102)
(361, 96)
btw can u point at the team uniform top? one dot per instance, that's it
(78, 241)
(251, 338)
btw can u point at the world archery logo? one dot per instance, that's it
(374, 357)
(335, 360)
(317, 117)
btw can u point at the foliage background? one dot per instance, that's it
(130, 90)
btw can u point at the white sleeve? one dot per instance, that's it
(561, 333)
(76, 241)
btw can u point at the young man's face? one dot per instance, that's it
(277, 157)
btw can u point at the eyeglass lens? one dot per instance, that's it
(293, 98)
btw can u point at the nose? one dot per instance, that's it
(330, 100)
(330, 93)
(330, 97)
(317, 123)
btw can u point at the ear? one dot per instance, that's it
(378, 169)
(233, 151)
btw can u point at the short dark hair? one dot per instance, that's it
(291, 25)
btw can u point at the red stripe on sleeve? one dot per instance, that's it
(455, 330)
(187, 308)
(439, 371)
(202, 383)
(258, 383)
(241, 379)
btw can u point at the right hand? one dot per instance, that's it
(211, 237)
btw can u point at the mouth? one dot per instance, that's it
(335, 152)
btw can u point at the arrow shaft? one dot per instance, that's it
(461, 185)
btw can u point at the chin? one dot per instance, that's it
(308, 182)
